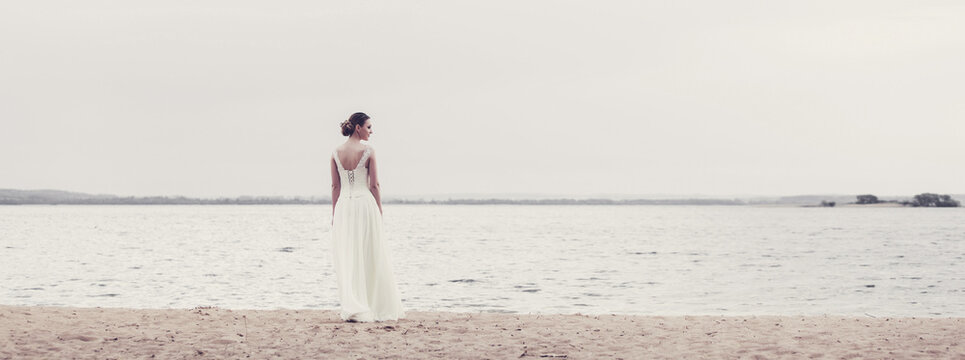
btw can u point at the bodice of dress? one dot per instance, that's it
(354, 182)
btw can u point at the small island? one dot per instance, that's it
(920, 200)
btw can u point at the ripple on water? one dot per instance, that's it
(500, 311)
(527, 287)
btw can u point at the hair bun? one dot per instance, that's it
(347, 128)
(357, 119)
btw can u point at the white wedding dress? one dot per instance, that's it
(366, 284)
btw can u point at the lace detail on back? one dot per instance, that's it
(350, 174)
(338, 162)
(365, 157)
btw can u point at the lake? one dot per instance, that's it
(646, 260)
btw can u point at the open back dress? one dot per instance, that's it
(366, 284)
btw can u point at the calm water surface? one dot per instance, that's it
(666, 260)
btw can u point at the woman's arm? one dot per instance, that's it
(374, 180)
(336, 186)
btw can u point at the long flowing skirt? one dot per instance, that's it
(366, 284)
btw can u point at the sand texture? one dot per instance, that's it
(55, 332)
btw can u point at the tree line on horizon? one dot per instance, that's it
(920, 200)
(57, 197)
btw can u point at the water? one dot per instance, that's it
(663, 260)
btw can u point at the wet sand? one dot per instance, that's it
(56, 332)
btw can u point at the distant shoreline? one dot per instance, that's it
(283, 201)
(59, 197)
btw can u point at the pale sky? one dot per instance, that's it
(716, 98)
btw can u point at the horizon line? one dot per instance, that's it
(498, 196)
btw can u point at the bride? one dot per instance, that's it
(366, 284)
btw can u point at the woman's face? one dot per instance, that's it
(365, 130)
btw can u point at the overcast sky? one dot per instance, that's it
(717, 98)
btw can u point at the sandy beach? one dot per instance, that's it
(56, 332)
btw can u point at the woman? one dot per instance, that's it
(366, 285)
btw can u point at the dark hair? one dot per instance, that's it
(348, 126)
